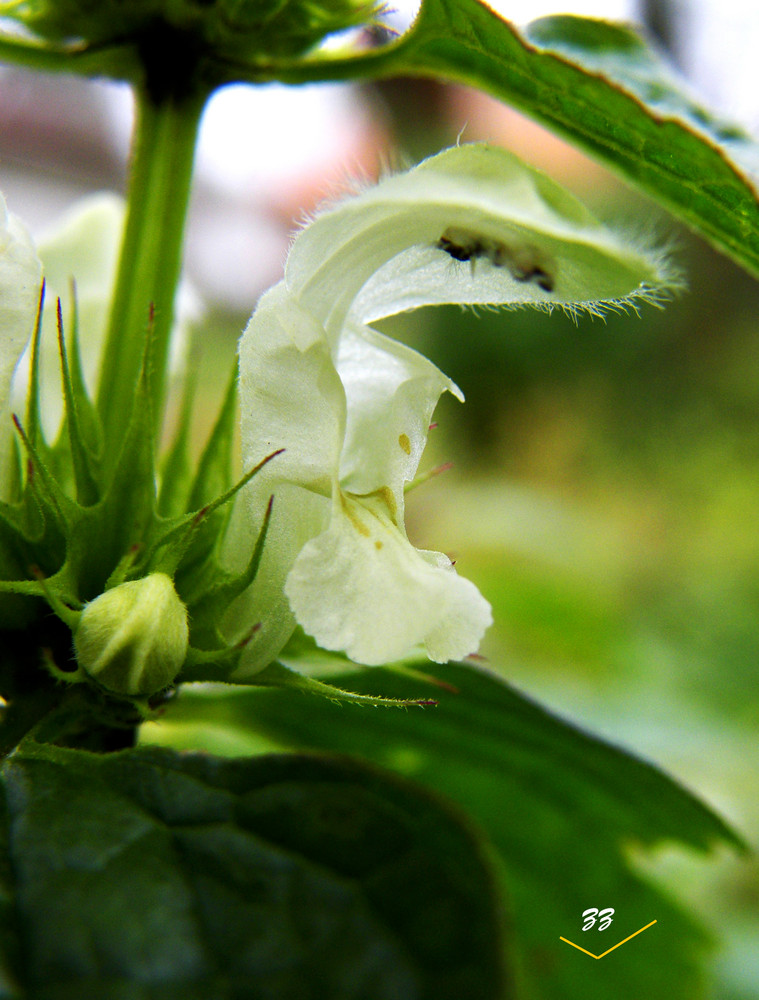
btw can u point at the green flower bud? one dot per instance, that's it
(133, 639)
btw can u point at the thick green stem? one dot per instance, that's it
(151, 256)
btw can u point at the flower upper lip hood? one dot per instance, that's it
(351, 407)
(379, 253)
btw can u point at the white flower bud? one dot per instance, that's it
(133, 639)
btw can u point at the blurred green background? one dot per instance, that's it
(604, 498)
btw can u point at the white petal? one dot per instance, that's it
(361, 587)
(293, 397)
(290, 397)
(83, 247)
(391, 392)
(20, 275)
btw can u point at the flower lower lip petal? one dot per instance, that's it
(361, 587)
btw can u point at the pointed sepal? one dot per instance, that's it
(278, 675)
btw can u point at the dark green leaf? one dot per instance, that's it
(598, 85)
(146, 874)
(560, 805)
(9, 938)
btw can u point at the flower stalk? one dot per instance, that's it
(163, 155)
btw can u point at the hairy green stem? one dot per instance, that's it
(151, 256)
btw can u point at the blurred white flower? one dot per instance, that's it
(80, 254)
(20, 272)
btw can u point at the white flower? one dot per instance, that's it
(352, 407)
(20, 274)
(83, 247)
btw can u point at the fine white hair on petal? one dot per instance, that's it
(526, 241)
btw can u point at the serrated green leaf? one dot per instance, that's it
(600, 86)
(560, 805)
(149, 874)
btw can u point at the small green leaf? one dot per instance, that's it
(213, 590)
(45, 492)
(213, 478)
(89, 422)
(185, 485)
(81, 456)
(127, 508)
(33, 413)
(177, 466)
(560, 806)
(213, 475)
(146, 874)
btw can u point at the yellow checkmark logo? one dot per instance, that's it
(618, 945)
